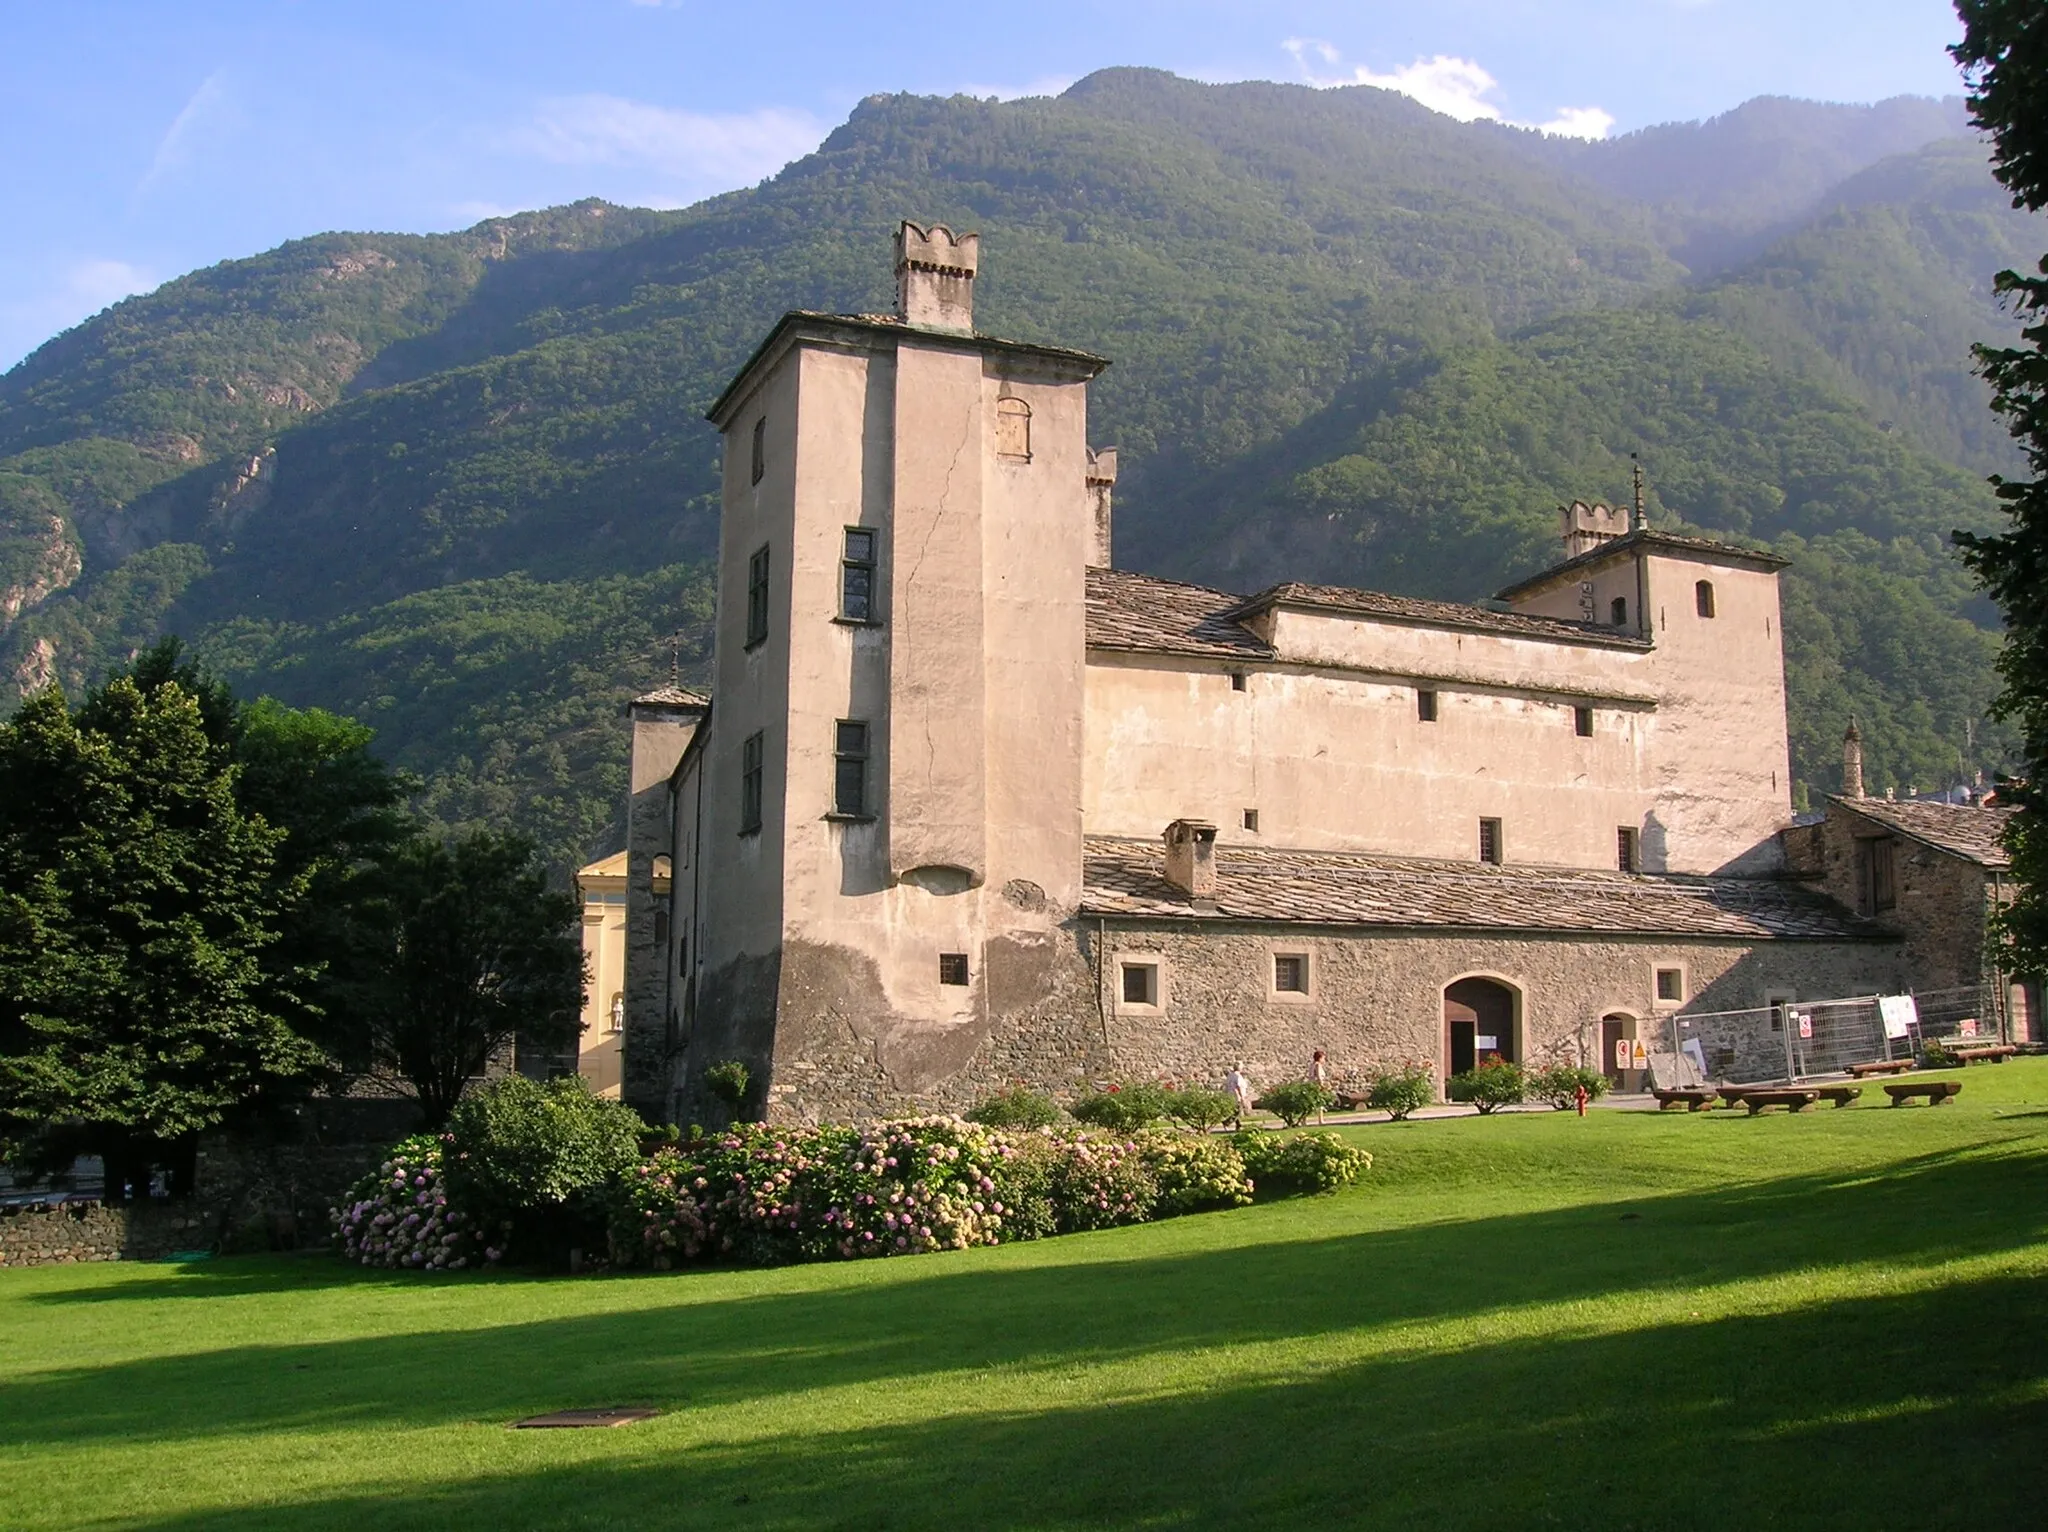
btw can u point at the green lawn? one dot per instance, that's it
(1628, 1321)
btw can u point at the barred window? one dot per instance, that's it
(952, 968)
(1489, 841)
(1627, 849)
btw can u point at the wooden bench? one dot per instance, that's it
(1795, 1098)
(1841, 1095)
(1881, 1067)
(1997, 1053)
(1936, 1091)
(1694, 1098)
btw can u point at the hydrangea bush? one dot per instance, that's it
(1300, 1162)
(398, 1215)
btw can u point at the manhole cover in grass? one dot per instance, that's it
(560, 1420)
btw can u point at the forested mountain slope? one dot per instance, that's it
(459, 484)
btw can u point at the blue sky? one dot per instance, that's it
(146, 139)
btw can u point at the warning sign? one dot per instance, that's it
(1624, 1056)
(1806, 1027)
(1641, 1058)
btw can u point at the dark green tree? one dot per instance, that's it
(2004, 56)
(139, 906)
(469, 950)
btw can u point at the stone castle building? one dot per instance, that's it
(968, 805)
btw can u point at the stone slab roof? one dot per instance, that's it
(671, 696)
(1340, 888)
(1136, 612)
(1961, 829)
(1671, 542)
(1435, 614)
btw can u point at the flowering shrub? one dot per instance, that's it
(1191, 1175)
(1297, 1101)
(398, 1215)
(1315, 1162)
(1398, 1092)
(1489, 1087)
(1123, 1108)
(1017, 1108)
(1559, 1085)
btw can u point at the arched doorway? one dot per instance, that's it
(1479, 1021)
(1616, 1028)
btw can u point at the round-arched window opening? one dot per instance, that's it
(1703, 598)
(1013, 428)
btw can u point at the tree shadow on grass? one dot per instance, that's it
(1874, 1411)
(901, 1320)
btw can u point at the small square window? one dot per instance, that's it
(952, 968)
(1290, 973)
(1627, 849)
(1141, 983)
(1490, 841)
(1251, 819)
(1237, 682)
(1671, 984)
(1425, 706)
(857, 576)
(759, 464)
(1582, 721)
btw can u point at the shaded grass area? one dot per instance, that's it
(1622, 1321)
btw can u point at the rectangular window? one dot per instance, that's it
(1425, 706)
(857, 576)
(757, 597)
(1237, 680)
(1290, 973)
(1627, 849)
(1582, 720)
(1141, 983)
(1671, 984)
(1490, 841)
(952, 968)
(661, 927)
(850, 767)
(760, 461)
(752, 750)
(1884, 874)
(1251, 819)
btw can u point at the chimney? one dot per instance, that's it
(1852, 762)
(1191, 858)
(1101, 484)
(1586, 527)
(935, 277)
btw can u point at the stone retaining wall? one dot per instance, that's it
(45, 1235)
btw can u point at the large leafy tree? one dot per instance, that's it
(2004, 55)
(140, 904)
(469, 951)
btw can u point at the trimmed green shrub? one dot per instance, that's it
(1399, 1092)
(1934, 1055)
(1200, 1108)
(531, 1164)
(1559, 1085)
(1017, 1108)
(1299, 1162)
(1489, 1087)
(1123, 1108)
(728, 1080)
(1297, 1101)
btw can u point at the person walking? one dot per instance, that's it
(1239, 1085)
(1319, 1072)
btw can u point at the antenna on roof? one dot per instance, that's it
(1640, 520)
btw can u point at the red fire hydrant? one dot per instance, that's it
(1581, 1098)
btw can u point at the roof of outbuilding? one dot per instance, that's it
(1965, 830)
(1434, 614)
(1138, 612)
(1671, 542)
(1341, 888)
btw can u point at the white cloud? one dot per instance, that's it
(1457, 87)
(205, 111)
(732, 149)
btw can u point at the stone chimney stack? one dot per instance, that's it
(935, 277)
(1191, 857)
(1852, 762)
(1586, 527)
(1101, 485)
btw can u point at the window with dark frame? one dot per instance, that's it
(1290, 973)
(1237, 680)
(1883, 873)
(1141, 983)
(850, 767)
(1490, 841)
(952, 968)
(1582, 721)
(857, 576)
(1627, 849)
(1617, 611)
(1703, 598)
(1425, 705)
(752, 752)
(1251, 819)
(1670, 984)
(757, 597)
(760, 458)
